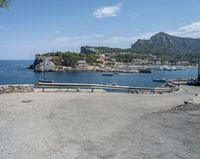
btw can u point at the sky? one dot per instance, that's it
(29, 27)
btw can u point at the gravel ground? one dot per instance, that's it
(99, 126)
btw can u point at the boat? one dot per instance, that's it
(19, 65)
(45, 80)
(107, 74)
(115, 84)
(145, 70)
(166, 68)
(160, 80)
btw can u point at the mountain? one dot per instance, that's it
(169, 47)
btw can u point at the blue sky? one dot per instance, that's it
(38, 26)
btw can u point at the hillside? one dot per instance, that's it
(162, 45)
(169, 47)
(102, 49)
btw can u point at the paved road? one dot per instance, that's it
(98, 126)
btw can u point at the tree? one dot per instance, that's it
(4, 3)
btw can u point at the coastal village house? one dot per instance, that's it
(82, 65)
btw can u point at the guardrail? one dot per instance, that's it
(78, 86)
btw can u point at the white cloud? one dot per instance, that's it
(108, 11)
(191, 30)
(73, 43)
(194, 27)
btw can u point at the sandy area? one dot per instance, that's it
(99, 126)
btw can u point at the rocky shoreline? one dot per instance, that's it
(52, 63)
(5, 89)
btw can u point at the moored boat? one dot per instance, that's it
(160, 80)
(145, 70)
(107, 74)
(46, 81)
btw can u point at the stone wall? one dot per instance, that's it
(16, 89)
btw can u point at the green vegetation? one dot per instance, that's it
(102, 49)
(130, 57)
(160, 47)
(169, 48)
(4, 3)
(71, 58)
(165, 47)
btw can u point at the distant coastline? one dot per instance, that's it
(161, 50)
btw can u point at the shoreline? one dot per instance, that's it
(135, 69)
(168, 87)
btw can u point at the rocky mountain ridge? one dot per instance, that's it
(167, 45)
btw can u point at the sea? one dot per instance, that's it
(16, 72)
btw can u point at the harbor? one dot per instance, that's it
(104, 79)
(12, 74)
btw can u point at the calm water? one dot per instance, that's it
(15, 72)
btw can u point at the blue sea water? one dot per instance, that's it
(15, 72)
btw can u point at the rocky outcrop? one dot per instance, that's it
(44, 63)
(88, 50)
(4, 89)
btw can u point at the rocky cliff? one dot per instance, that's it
(44, 63)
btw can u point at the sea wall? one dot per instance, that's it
(4, 89)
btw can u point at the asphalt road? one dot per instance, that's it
(99, 126)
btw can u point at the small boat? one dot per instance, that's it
(46, 81)
(145, 70)
(107, 74)
(115, 84)
(167, 68)
(160, 80)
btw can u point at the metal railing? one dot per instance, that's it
(92, 87)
